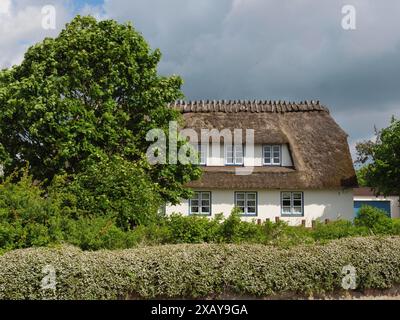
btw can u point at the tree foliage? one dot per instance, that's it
(381, 160)
(92, 91)
(112, 187)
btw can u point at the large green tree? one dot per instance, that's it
(93, 91)
(381, 160)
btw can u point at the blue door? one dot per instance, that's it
(384, 205)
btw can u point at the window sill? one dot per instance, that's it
(292, 215)
(234, 165)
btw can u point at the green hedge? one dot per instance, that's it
(203, 270)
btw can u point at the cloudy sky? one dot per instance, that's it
(251, 49)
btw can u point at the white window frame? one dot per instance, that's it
(273, 148)
(294, 210)
(200, 204)
(235, 150)
(246, 199)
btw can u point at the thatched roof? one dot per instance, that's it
(317, 144)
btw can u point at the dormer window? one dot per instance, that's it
(234, 155)
(272, 155)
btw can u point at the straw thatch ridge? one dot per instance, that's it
(317, 144)
(233, 106)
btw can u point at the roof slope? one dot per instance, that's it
(318, 146)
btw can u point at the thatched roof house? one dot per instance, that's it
(318, 149)
(318, 146)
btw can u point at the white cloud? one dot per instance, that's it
(22, 27)
(5, 6)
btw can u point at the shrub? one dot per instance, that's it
(197, 229)
(27, 217)
(230, 227)
(94, 233)
(281, 234)
(375, 219)
(113, 186)
(190, 229)
(338, 229)
(107, 208)
(203, 270)
(396, 226)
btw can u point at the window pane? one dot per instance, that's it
(239, 149)
(286, 195)
(194, 202)
(297, 203)
(251, 196)
(297, 195)
(238, 155)
(239, 161)
(240, 203)
(286, 210)
(240, 196)
(194, 209)
(267, 154)
(229, 154)
(251, 210)
(205, 195)
(251, 203)
(297, 210)
(205, 203)
(205, 210)
(202, 149)
(196, 195)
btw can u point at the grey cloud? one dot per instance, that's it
(296, 50)
(265, 49)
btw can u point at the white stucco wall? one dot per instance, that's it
(394, 203)
(216, 156)
(318, 204)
